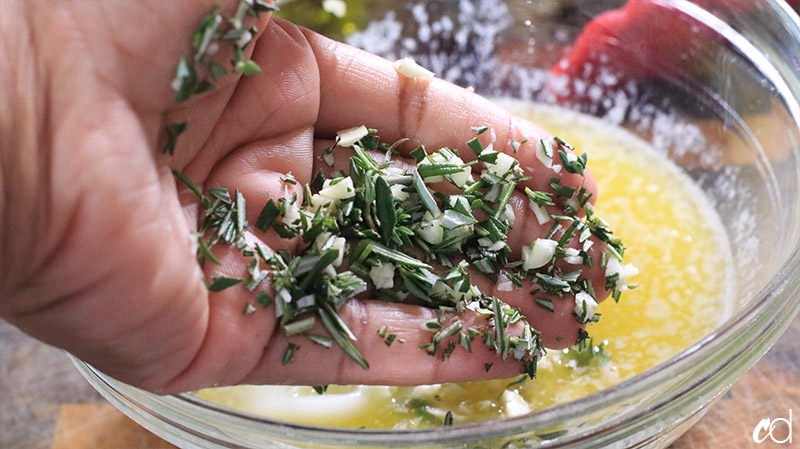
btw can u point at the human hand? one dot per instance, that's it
(96, 250)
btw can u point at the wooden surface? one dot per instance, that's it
(46, 404)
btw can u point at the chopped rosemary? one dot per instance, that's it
(268, 215)
(448, 418)
(480, 129)
(197, 73)
(264, 298)
(545, 303)
(394, 226)
(288, 355)
(585, 353)
(220, 283)
(172, 131)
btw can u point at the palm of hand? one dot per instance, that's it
(115, 245)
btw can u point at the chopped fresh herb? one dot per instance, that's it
(418, 153)
(299, 326)
(248, 68)
(448, 418)
(172, 131)
(320, 339)
(341, 335)
(560, 190)
(384, 202)
(268, 215)
(264, 298)
(546, 436)
(476, 146)
(562, 143)
(586, 353)
(517, 381)
(571, 163)
(213, 31)
(288, 178)
(480, 129)
(394, 229)
(545, 303)
(222, 282)
(425, 195)
(552, 284)
(288, 355)
(489, 156)
(248, 309)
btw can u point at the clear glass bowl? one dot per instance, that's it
(720, 100)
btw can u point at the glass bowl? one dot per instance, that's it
(714, 85)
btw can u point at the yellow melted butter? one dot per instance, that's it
(673, 237)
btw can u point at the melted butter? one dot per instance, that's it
(672, 236)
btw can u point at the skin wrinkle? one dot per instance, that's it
(62, 230)
(297, 80)
(17, 79)
(36, 288)
(43, 217)
(196, 168)
(286, 97)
